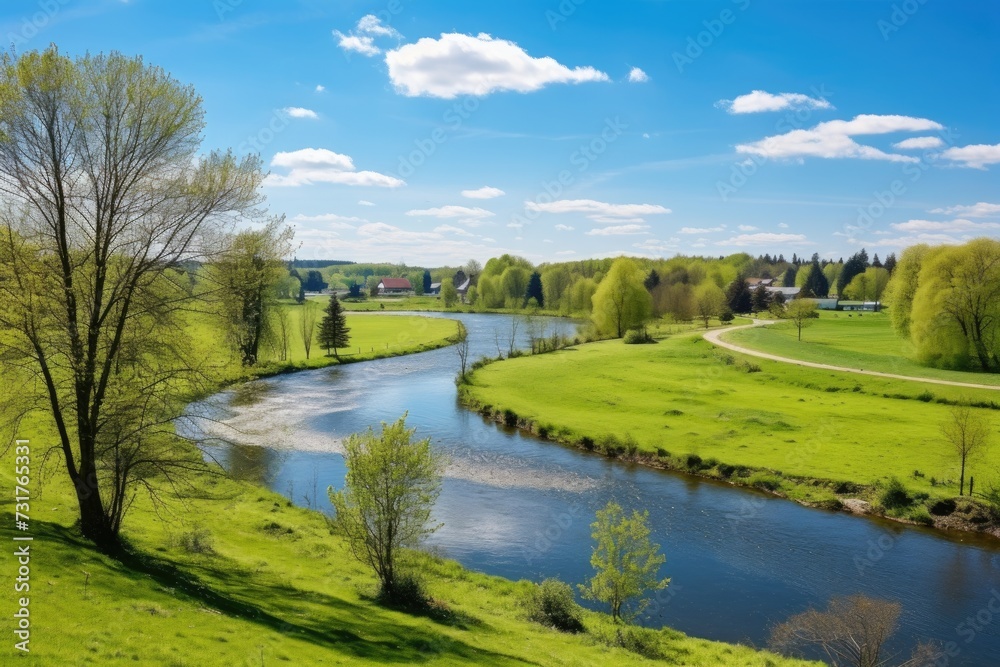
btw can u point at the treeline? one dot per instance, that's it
(946, 300)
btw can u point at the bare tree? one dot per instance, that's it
(851, 632)
(307, 326)
(282, 330)
(512, 342)
(968, 432)
(105, 210)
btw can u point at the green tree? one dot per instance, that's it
(385, 506)
(857, 263)
(247, 273)
(307, 325)
(314, 282)
(761, 299)
(556, 282)
(106, 198)
(738, 295)
(427, 281)
(968, 432)
(709, 302)
(816, 281)
(534, 290)
(449, 294)
(581, 295)
(333, 330)
(626, 562)
(801, 312)
(903, 285)
(621, 301)
(790, 277)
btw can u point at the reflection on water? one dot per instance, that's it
(521, 508)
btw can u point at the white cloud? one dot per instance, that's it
(783, 225)
(363, 44)
(458, 64)
(319, 165)
(656, 245)
(764, 238)
(330, 220)
(980, 210)
(320, 88)
(619, 230)
(636, 75)
(759, 100)
(485, 192)
(977, 156)
(299, 112)
(832, 139)
(747, 228)
(598, 211)
(464, 214)
(451, 229)
(362, 38)
(701, 230)
(930, 239)
(918, 143)
(365, 202)
(959, 225)
(564, 228)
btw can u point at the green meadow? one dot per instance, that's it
(684, 398)
(227, 573)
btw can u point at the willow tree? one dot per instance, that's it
(106, 201)
(621, 301)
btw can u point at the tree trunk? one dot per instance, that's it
(94, 523)
(961, 479)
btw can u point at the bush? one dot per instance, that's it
(551, 603)
(408, 593)
(198, 541)
(638, 336)
(893, 495)
(644, 641)
(692, 462)
(926, 397)
(765, 481)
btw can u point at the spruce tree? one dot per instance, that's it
(333, 330)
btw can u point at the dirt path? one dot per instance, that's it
(714, 337)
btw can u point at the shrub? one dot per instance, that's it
(692, 462)
(893, 495)
(765, 481)
(638, 336)
(662, 453)
(509, 418)
(408, 593)
(644, 641)
(198, 541)
(748, 367)
(726, 470)
(551, 603)
(926, 397)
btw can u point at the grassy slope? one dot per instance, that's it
(276, 587)
(867, 342)
(681, 396)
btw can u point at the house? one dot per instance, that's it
(787, 292)
(866, 306)
(435, 289)
(388, 286)
(754, 283)
(463, 289)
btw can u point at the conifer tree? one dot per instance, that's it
(333, 330)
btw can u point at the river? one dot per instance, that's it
(518, 507)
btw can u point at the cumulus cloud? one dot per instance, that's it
(980, 210)
(783, 225)
(320, 88)
(760, 100)
(656, 245)
(977, 156)
(451, 229)
(458, 64)
(619, 230)
(919, 143)
(929, 239)
(566, 252)
(564, 228)
(747, 228)
(763, 239)
(362, 38)
(701, 230)
(599, 211)
(958, 225)
(636, 75)
(833, 139)
(472, 217)
(485, 192)
(319, 165)
(299, 112)
(365, 202)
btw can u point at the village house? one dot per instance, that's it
(388, 286)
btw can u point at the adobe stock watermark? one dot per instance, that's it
(562, 12)
(553, 532)
(968, 630)
(697, 44)
(34, 23)
(884, 199)
(452, 120)
(742, 171)
(582, 159)
(901, 13)
(255, 143)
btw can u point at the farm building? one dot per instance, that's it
(394, 286)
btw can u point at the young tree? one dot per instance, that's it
(385, 506)
(462, 349)
(968, 432)
(282, 330)
(816, 281)
(621, 302)
(852, 631)
(626, 561)
(105, 202)
(246, 275)
(449, 295)
(709, 302)
(802, 312)
(307, 326)
(790, 276)
(333, 330)
(534, 290)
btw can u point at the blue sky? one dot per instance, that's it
(434, 132)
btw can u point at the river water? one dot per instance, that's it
(518, 507)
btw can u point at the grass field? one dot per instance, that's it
(230, 574)
(867, 342)
(682, 396)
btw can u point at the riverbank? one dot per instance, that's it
(824, 439)
(228, 573)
